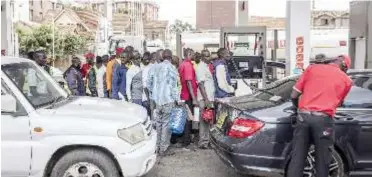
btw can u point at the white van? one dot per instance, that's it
(47, 132)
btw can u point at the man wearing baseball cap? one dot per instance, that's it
(346, 62)
(322, 88)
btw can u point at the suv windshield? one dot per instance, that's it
(35, 83)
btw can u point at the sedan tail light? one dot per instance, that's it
(243, 128)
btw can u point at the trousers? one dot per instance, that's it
(186, 137)
(203, 127)
(162, 121)
(310, 129)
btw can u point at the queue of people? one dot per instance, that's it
(158, 81)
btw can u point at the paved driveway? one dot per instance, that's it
(200, 163)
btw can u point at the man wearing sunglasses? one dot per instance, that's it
(205, 94)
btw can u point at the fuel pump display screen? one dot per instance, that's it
(241, 44)
(249, 66)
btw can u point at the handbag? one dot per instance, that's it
(178, 120)
(208, 115)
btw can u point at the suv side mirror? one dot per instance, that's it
(8, 104)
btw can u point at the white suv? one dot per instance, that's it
(46, 132)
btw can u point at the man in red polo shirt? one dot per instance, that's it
(189, 89)
(323, 88)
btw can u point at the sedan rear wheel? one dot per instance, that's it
(336, 167)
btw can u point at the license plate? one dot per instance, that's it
(221, 119)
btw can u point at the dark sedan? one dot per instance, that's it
(253, 133)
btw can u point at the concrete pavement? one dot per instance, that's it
(199, 163)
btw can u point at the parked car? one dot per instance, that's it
(47, 132)
(253, 133)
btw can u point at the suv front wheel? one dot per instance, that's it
(85, 162)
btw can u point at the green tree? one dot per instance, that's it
(179, 27)
(39, 37)
(42, 38)
(73, 44)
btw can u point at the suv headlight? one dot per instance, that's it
(132, 135)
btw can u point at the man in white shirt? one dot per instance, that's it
(38, 86)
(146, 65)
(134, 84)
(101, 70)
(205, 94)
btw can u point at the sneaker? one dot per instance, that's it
(166, 153)
(190, 147)
(196, 139)
(178, 145)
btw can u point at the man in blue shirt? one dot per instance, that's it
(119, 77)
(221, 76)
(162, 84)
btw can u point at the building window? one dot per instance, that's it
(324, 22)
(41, 3)
(41, 15)
(31, 2)
(53, 5)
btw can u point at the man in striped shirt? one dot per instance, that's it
(162, 84)
(155, 59)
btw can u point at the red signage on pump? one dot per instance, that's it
(343, 43)
(300, 52)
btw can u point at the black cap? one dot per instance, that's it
(320, 58)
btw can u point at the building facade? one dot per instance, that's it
(9, 38)
(39, 8)
(137, 18)
(321, 19)
(215, 14)
(330, 19)
(148, 8)
(212, 15)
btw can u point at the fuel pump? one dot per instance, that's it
(247, 65)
